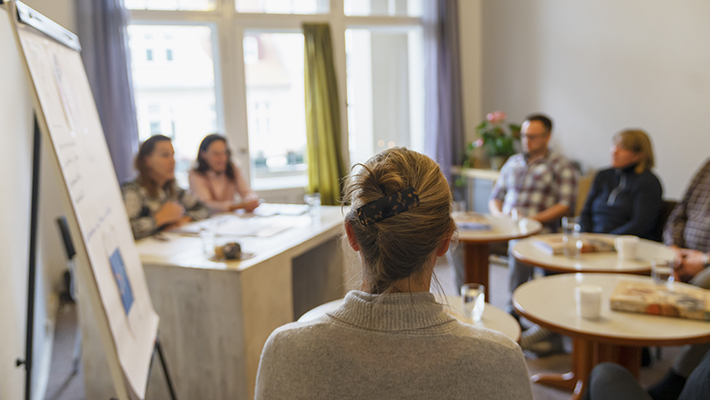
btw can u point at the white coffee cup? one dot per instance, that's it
(589, 301)
(626, 247)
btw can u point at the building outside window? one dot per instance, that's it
(237, 67)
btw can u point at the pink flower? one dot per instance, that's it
(478, 143)
(495, 117)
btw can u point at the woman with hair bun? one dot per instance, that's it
(391, 339)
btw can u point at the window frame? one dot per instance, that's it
(230, 81)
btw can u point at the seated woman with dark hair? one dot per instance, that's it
(154, 201)
(625, 199)
(216, 180)
(392, 339)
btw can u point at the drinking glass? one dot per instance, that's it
(313, 201)
(208, 233)
(571, 237)
(473, 298)
(662, 271)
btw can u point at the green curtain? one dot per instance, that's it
(325, 169)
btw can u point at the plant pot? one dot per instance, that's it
(497, 162)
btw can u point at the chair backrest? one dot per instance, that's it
(583, 186)
(666, 210)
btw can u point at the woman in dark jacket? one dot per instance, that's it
(625, 199)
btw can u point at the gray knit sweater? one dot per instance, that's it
(400, 346)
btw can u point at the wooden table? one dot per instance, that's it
(475, 244)
(493, 318)
(615, 336)
(215, 316)
(526, 251)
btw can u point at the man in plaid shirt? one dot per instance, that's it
(538, 184)
(688, 233)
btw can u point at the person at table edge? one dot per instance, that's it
(625, 199)
(687, 231)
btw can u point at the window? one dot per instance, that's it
(180, 93)
(283, 6)
(187, 84)
(196, 5)
(385, 90)
(276, 106)
(411, 8)
(155, 128)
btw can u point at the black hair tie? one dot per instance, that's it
(387, 206)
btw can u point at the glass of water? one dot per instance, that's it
(313, 201)
(571, 237)
(473, 298)
(662, 271)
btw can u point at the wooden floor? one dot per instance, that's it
(65, 386)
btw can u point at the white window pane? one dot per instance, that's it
(175, 92)
(192, 5)
(283, 6)
(385, 81)
(392, 8)
(276, 108)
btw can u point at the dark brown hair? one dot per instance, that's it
(145, 174)
(398, 247)
(202, 166)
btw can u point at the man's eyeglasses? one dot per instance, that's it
(534, 136)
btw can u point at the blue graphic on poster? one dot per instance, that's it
(124, 285)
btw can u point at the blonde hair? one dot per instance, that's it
(637, 140)
(399, 247)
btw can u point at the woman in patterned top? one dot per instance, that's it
(154, 201)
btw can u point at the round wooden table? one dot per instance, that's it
(493, 318)
(615, 336)
(526, 251)
(475, 244)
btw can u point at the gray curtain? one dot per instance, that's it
(104, 40)
(444, 119)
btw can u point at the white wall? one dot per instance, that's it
(598, 66)
(15, 178)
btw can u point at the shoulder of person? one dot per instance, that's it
(489, 336)
(299, 333)
(131, 186)
(649, 179)
(706, 166)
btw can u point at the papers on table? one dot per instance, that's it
(554, 244)
(470, 221)
(235, 226)
(269, 209)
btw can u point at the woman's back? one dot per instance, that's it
(400, 345)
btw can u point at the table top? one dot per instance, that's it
(504, 229)
(480, 173)
(493, 318)
(527, 252)
(550, 302)
(176, 249)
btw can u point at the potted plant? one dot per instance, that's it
(496, 138)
